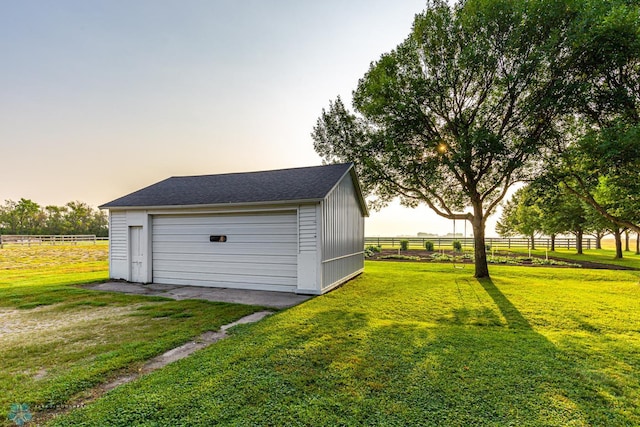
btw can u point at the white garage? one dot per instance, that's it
(262, 252)
(291, 230)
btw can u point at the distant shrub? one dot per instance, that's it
(457, 246)
(441, 257)
(487, 247)
(428, 245)
(371, 250)
(404, 257)
(404, 245)
(501, 260)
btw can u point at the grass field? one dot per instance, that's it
(413, 344)
(58, 340)
(604, 256)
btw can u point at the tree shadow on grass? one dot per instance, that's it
(515, 319)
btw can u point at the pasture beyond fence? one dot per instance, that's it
(497, 243)
(13, 239)
(439, 243)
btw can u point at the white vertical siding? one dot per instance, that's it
(308, 228)
(118, 235)
(118, 245)
(342, 234)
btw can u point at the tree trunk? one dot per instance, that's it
(599, 240)
(480, 252)
(626, 241)
(637, 243)
(553, 243)
(533, 242)
(579, 242)
(618, 235)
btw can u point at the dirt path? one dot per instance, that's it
(156, 363)
(181, 352)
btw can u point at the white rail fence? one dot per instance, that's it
(14, 239)
(491, 242)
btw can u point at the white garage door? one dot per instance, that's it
(260, 251)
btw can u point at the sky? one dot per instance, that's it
(101, 98)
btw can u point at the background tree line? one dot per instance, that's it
(543, 208)
(28, 217)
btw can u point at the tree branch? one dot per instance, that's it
(588, 198)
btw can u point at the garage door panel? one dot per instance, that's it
(224, 258)
(260, 253)
(272, 229)
(231, 238)
(278, 270)
(214, 278)
(234, 285)
(222, 219)
(231, 249)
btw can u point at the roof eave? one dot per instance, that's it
(214, 205)
(356, 183)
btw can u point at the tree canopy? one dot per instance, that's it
(598, 158)
(28, 217)
(459, 111)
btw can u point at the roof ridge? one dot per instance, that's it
(261, 171)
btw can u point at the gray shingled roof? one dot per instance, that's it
(309, 183)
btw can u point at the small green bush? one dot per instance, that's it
(404, 245)
(457, 246)
(428, 245)
(404, 257)
(371, 250)
(487, 247)
(441, 257)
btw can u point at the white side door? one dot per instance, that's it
(136, 254)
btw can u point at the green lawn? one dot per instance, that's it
(413, 344)
(604, 256)
(57, 341)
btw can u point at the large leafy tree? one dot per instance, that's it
(22, 217)
(603, 169)
(458, 112)
(565, 213)
(56, 222)
(540, 207)
(521, 216)
(604, 150)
